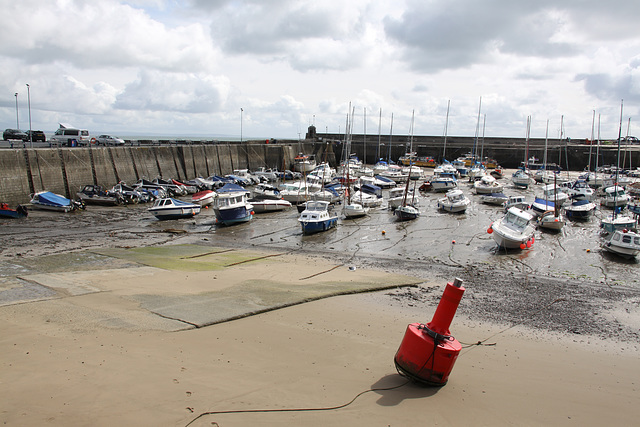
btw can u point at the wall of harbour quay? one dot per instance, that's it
(66, 170)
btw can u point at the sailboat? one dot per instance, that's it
(351, 209)
(618, 237)
(521, 178)
(407, 211)
(552, 219)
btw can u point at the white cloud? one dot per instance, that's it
(188, 66)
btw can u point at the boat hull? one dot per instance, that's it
(312, 227)
(175, 213)
(19, 212)
(234, 215)
(262, 206)
(406, 213)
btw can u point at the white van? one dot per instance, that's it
(69, 136)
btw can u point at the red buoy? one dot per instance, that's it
(428, 352)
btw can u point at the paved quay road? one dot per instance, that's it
(595, 292)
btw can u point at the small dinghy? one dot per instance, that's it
(19, 212)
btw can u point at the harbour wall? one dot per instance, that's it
(24, 171)
(508, 152)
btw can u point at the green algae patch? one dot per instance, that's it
(66, 261)
(184, 257)
(255, 296)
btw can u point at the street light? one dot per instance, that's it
(29, 100)
(241, 111)
(17, 120)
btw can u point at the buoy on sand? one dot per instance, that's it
(428, 352)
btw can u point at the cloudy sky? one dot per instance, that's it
(270, 68)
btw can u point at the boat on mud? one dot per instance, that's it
(231, 205)
(49, 201)
(19, 212)
(170, 208)
(514, 230)
(316, 217)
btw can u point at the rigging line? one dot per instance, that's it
(317, 409)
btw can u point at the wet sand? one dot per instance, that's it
(565, 323)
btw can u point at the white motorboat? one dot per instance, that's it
(231, 205)
(579, 209)
(494, 199)
(622, 242)
(262, 204)
(454, 201)
(514, 230)
(170, 208)
(354, 210)
(521, 179)
(540, 206)
(554, 193)
(443, 182)
(367, 200)
(519, 202)
(578, 190)
(615, 196)
(615, 222)
(316, 217)
(486, 185)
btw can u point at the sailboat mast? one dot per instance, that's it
(411, 133)
(593, 123)
(615, 184)
(390, 139)
(365, 137)
(526, 151)
(475, 141)
(446, 130)
(595, 170)
(546, 138)
(484, 126)
(379, 131)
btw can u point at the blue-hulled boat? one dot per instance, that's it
(580, 209)
(316, 217)
(170, 208)
(19, 212)
(231, 205)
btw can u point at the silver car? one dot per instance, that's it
(109, 140)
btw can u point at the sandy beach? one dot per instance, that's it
(109, 348)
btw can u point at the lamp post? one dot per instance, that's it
(29, 101)
(241, 111)
(17, 119)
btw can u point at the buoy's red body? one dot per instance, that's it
(428, 352)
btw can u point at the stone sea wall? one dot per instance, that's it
(65, 171)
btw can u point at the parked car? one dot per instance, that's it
(68, 136)
(108, 140)
(36, 135)
(14, 134)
